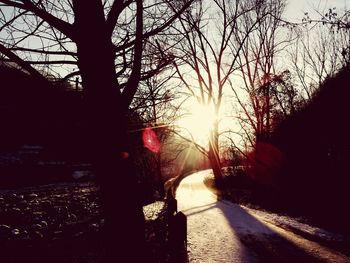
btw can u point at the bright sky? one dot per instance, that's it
(296, 8)
(295, 12)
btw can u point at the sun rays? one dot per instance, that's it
(198, 123)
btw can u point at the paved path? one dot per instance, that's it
(220, 231)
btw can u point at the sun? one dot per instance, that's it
(198, 122)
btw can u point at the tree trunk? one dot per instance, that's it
(267, 131)
(108, 147)
(160, 183)
(106, 137)
(214, 156)
(110, 155)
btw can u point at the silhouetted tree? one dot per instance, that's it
(102, 42)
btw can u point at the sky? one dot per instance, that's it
(296, 8)
(294, 12)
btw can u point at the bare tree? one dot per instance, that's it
(265, 89)
(206, 60)
(102, 42)
(154, 102)
(321, 49)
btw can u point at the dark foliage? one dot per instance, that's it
(37, 113)
(145, 161)
(50, 117)
(315, 146)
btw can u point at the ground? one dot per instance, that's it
(221, 231)
(61, 223)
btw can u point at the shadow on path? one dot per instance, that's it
(267, 244)
(221, 231)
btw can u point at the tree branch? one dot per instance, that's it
(135, 75)
(117, 7)
(23, 64)
(46, 52)
(157, 30)
(59, 24)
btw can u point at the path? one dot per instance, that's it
(220, 231)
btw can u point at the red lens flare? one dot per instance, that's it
(150, 140)
(264, 163)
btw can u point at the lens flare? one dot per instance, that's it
(150, 140)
